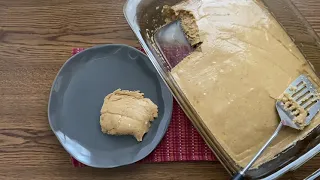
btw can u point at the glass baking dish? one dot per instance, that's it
(144, 17)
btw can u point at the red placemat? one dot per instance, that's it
(181, 142)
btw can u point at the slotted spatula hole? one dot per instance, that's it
(303, 95)
(297, 92)
(307, 100)
(293, 109)
(300, 83)
(295, 112)
(288, 105)
(311, 104)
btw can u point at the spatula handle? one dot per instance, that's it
(274, 135)
(238, 177)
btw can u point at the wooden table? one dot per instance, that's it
(36, 38)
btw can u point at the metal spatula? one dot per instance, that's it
(303, 94)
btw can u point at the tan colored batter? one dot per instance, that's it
(244, 64)
(127, 113)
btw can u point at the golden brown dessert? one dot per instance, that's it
(127, 113)
(245, 62)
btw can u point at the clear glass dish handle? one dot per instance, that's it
(295, 164)
(314, 175)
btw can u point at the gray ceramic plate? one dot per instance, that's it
(77, 96)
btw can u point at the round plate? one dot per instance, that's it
(77, 95)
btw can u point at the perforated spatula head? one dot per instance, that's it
(299, 104)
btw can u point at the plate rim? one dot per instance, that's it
(169, 107)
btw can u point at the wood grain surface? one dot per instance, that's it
(36, 38)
